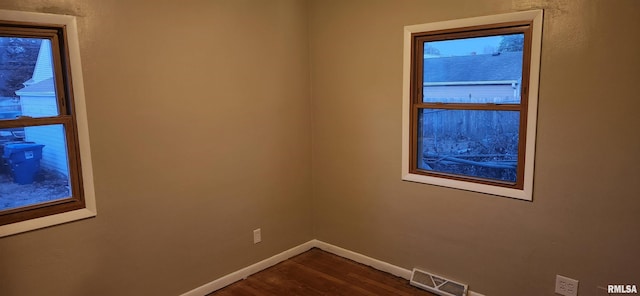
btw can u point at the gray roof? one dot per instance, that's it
(44, 86)
(484, 67)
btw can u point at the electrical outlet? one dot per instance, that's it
(566, 286)
(257, 236)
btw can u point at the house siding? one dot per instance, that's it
(38, 99)
(44, 67)
(39, 106)
(54, 153)
(477, 93)
(54, 156)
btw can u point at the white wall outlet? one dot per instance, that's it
(566, 286)
(257, 236)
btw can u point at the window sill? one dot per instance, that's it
(525, 194)
(47, 221)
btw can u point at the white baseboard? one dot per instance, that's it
(249, 270)
(357, 257)
(264, 264)
(375, 263)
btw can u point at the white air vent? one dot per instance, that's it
(437, 284)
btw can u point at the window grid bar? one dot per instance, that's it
(465, 106)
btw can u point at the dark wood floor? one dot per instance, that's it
(316, 272)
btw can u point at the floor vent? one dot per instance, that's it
(437, 284)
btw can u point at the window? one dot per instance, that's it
(470, 103)
(45, 164)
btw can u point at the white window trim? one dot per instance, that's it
(81, 121)
(536, 17)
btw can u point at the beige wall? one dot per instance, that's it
(201, 122)
(200, 133)
(584, 219)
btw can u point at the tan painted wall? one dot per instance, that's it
(168, 88)
(585, 216)
(200, 133)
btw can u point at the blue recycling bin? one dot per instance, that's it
(24, 160)
(4, 166)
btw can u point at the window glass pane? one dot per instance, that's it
(474, 70)
(27, 85)
(475, 143)
(34, 166)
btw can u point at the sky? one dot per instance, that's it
(459, 47)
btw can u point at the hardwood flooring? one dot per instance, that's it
(317, 272)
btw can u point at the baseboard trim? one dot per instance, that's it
(366, 260)
(249, 270)
(271, 261)
(357, 257)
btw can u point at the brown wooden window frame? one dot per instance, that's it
(66, 117)
(529, 23)
(417, 104)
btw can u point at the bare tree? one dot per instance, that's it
(511, 43)
(17, 60)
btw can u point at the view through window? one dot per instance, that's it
(39, 164)
(470, 103)
(475, 84)
(46, 175)
(34, 159)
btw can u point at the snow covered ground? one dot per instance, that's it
(46, 187)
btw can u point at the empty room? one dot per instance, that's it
(480, 148)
